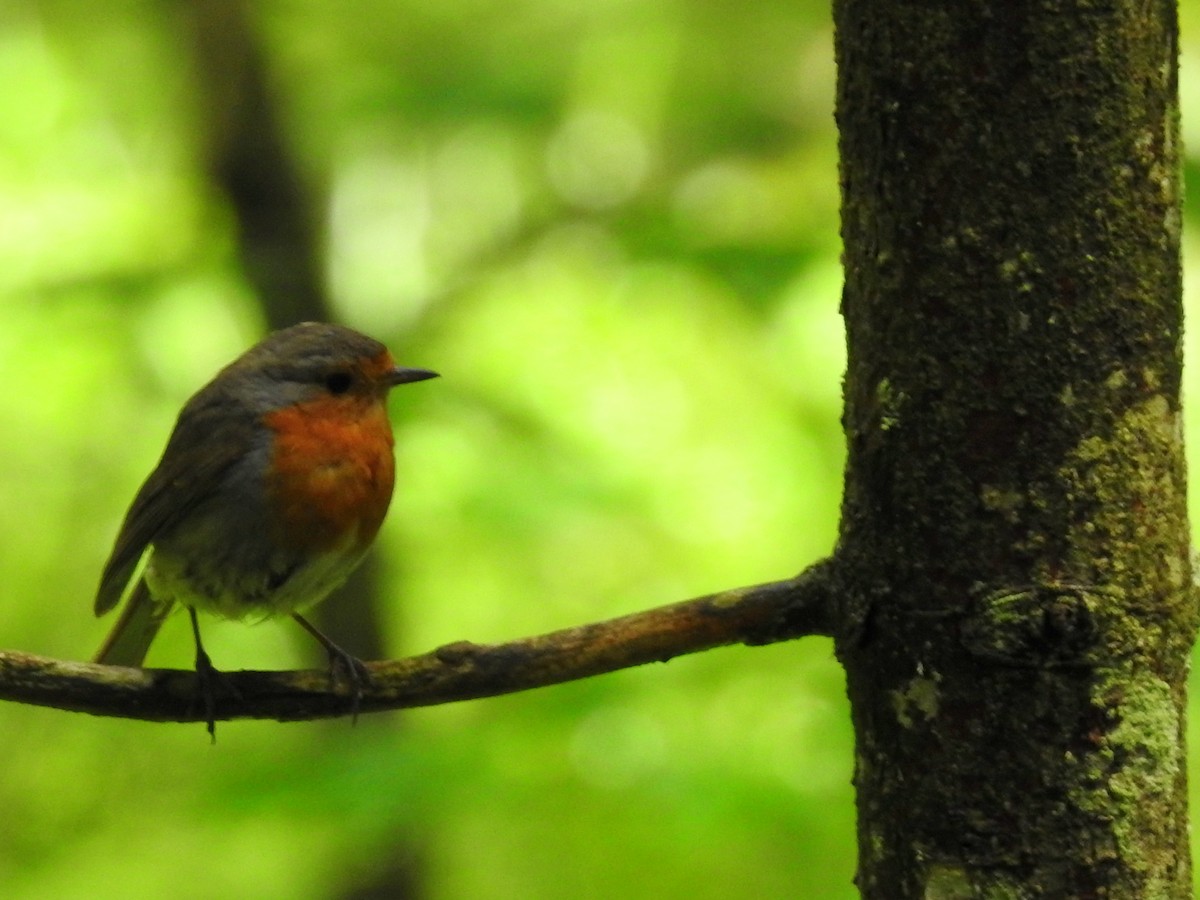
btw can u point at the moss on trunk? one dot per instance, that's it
(1014, 519)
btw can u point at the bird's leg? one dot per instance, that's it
(354, 668)
(206, 675)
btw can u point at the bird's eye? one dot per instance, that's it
(338, 382)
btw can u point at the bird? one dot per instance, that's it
(272, 486)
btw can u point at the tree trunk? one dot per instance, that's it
(1014, 522)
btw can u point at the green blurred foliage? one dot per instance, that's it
(612, 226)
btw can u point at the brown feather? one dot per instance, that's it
(206, 441)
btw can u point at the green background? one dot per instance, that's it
(612, 227)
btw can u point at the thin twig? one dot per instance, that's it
(762, 614)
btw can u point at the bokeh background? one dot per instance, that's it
(612, 226)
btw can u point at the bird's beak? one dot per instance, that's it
(401, 375)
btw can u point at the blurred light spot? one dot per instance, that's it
(36, 93)
(615, 747)
(615, 407)
(806, 338)
(194, 329)
(477, 196)
(378, 217)
(794, 741)
(723, 201)
(597, 160)
(1189, 96)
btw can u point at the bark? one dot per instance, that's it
(1014, 518)
(760, 614)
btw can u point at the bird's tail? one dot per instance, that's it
(127, 643)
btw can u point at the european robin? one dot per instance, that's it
(272, 486)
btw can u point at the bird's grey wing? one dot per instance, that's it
(183, 478)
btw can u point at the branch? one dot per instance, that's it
(763, 614)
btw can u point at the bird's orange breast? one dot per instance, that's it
(332, 471)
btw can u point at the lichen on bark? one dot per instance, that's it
(1014, 521)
